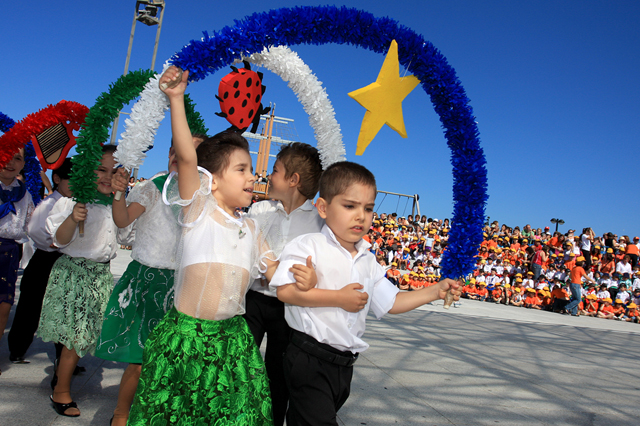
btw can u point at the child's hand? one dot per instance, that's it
(169, 79)
(352, 299)
(449, 284)
(79, 212)
(120, 180)
(305, 275)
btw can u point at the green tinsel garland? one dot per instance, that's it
(95, 130)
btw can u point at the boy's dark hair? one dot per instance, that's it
(303, 159)
(64, 171)
(339, 176)
(213, 154)
(108, 148)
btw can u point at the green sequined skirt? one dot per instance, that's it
(74, 303)
(201, 372)
(137, 305)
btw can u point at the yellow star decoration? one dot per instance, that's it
(383, 100)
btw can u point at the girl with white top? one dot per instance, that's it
(144, 293)
(80, 282)
(36, 275)
(16, 207)
(201, 364)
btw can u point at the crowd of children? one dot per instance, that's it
(565, 273)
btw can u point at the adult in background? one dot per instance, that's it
(586, 240)
(632, 250)
(539, 258)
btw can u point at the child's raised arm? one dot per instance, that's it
(189, 181)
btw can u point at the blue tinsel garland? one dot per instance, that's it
(322, 25)
(32, 167)
(5, 123)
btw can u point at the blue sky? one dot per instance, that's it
(554, 86)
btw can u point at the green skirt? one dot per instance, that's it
(74, 303)
(201, 372)
(138, 303)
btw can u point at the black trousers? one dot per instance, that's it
(317, 388)
(265, 315)
(32, 289)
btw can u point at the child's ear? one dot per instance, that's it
(321, 205)
(56, 179)
(294, 180)
(214, 182)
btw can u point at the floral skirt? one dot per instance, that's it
(201, 372)
(9, 264)
(137, 305)
(74, 303)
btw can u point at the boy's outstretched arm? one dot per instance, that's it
(189, 181)
(410, 300)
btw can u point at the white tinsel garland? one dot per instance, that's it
(287, 65)
(148, 112)
(142, 124)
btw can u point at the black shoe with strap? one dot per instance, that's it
(62, 408)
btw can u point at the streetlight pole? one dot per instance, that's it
(557, 222)
(148, 17)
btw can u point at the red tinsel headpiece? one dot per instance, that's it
(70, 114)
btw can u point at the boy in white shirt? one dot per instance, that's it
(329, 319)
(289, 214)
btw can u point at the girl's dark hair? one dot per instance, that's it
(213, 154)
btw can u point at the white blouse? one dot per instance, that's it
(14, 226)
(37, 227)
(218, 255)
(157, 232)
(101, 235)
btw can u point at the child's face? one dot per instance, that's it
(349, 215)
(13, 168)
(278, 185)
(105, 172)
(234, 187)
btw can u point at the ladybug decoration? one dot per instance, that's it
(240, 95)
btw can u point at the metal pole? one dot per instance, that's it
(155, 47)
(114, 128)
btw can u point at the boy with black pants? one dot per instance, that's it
(328, 320)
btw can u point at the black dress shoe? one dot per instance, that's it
(18, 360)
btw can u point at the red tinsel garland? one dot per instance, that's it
(33, 124)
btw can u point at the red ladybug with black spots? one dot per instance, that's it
(240, 95)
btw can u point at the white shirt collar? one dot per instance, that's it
(362, 246)
(306, 206)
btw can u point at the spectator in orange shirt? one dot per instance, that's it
(393, 274)
(591, 310)
(618, 310)
(469, 291)
(559, 296)
(606, 310)
(577, 274)
(632, 313)
(532, 301)
(632, 251)
(481, 291)
(497, 294)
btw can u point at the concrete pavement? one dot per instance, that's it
(479, 364)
